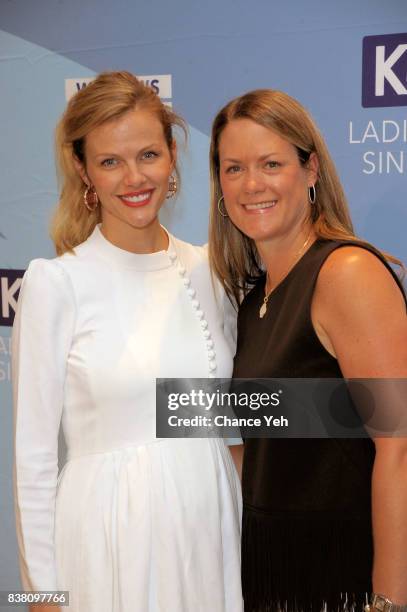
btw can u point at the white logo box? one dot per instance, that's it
(161, 83)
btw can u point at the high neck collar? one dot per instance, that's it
(127, 259)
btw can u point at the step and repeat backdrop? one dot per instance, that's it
(346, 62)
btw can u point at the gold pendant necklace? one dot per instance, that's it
(263, 307)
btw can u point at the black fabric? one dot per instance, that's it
(307, 531)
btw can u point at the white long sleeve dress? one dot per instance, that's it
(132, 523)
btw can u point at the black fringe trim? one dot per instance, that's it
(305, 564)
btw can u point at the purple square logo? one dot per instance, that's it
(384, 71)
(10, 282)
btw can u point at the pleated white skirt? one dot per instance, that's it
(153, 528)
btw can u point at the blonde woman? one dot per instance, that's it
(134, 523)
(323, 304)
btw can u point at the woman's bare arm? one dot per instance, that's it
(360, 316)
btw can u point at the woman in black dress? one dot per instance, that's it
(325, 520)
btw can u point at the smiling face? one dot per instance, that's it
(129, 163)
(264, 184)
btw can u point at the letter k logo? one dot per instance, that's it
(384, 71)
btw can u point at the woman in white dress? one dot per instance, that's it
(133, 523)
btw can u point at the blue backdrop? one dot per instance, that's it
(336, 58)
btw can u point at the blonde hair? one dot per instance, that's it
(233, 255)
(108, 97)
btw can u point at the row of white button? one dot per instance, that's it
(199, 313)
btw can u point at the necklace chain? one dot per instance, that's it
(263, 307)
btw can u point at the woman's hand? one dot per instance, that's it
(237, 451)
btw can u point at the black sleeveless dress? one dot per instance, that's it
(307, 530)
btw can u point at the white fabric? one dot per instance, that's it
(134, 523)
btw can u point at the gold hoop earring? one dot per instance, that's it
(312, 194)
(172, 187)
(219, 208)
(90, 198)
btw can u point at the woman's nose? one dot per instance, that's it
(253, 182)
(133, 175)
